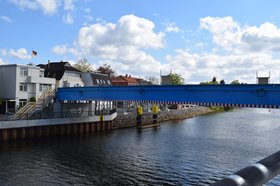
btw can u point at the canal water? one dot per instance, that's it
(196, 151)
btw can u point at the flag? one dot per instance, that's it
(34, 53)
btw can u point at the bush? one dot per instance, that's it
(32, 99)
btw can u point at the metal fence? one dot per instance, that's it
(52, 115)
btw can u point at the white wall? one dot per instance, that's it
(10, 80)
(73, 79)
(33, 81)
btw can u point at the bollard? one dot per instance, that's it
(256, 174)
(155, 113)
(139, 116)
(101, 123)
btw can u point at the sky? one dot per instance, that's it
(197, 39)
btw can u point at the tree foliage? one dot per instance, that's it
(235, 82)
(222, 82)
(106, 69)
(32, 99)
(83, 65)
(213, 82)
(176, 79)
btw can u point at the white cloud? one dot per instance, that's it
(49, 7)
(123, 43)
(106, 39)
(171, 27)
(226, 32)
(87, 10)
(68, 5)
(30, 4)
(203, 67)
(233, 37)
(6, 19)
(60, 49)
(3, 52)
(201, 45)
(2, 62)
(263, 38)
(64, 49)
(68, 19)
(239, 51)
(20, 54)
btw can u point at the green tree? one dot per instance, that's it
(214, 80)
(83, 65)
(106, 69)
(222, 82)
(176, 79)
(32, 99)
(235, 82)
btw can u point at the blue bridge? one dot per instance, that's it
(251, 95)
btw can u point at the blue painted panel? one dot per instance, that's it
(253, 95)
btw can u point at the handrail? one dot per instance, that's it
(256, 174)
(31, 107)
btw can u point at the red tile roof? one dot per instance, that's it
(125, 79)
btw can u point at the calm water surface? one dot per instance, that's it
(197, 151)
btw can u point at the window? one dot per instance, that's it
(24, 71)
(41, 73)
(22, 102)
(72, 74)
(23, 87)
(43, 87)
(109, 83)
(97, 80)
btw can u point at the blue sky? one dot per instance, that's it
(197, 39)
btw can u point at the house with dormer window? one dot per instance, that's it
(64, 74)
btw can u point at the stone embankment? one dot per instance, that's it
(125, 120)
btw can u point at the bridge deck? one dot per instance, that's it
(247, 95)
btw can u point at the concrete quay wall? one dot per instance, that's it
(22, 129)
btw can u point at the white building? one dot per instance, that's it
(19, 83)
(64, 74)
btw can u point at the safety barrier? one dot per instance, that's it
(256, 174)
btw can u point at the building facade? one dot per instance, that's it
(19, 83)
(64, 74)
(166, 80)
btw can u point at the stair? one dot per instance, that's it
(31, 107)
